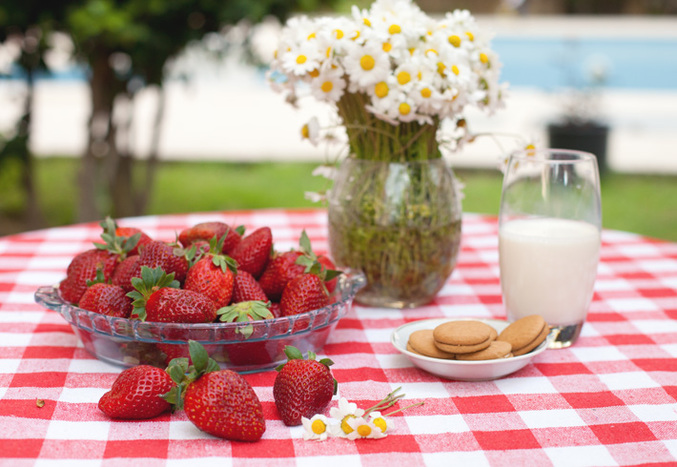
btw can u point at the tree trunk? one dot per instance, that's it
(102, 87)
(145, 193)
(32, 215)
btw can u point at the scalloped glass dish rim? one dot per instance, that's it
(142, 331)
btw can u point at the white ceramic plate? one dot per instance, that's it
(461, 370)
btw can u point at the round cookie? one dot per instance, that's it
(421, 342)
(462, 336)
(497, 349)
(525, 334)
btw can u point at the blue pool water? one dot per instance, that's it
(551, 63)
(629, 63)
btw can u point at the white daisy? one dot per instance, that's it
(345, 412)
(302, 59)
(364, 429)
(366, 64)
(380, 421)
(315, 428)
(311, 131)
(328, 86)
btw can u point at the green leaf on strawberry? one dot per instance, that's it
(311, 262)
(99, 279)
(183, 373)
(113, 243)
(150, 281)
(242, 312)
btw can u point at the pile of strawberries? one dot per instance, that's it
(220, 402)
(212, 272)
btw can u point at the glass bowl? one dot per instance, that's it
(127, 342)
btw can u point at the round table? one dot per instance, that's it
(611, 399)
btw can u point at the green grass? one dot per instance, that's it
(635, 203)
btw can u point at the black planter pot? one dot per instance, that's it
(589, 136)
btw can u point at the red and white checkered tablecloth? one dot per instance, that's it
(611, 399)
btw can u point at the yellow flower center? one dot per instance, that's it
(356, 35)
(381, 423)
(455, 40)
(301, 59)
(312, 35)
(404, 108)
(318, 427)
(470, 35)
(367, 62)
(394, 29)
(364, 430)
(328, 53)
(327, 86)
(381, 89)
(441, 67)
(366, 22)
(344, 424)
(431, 51)
(403, 77)
(426, 92)
(305, 131)
(455, 69)
(314, 73)
(484, 58)
(387, 47)
(338, 33)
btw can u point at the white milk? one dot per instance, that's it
(548, 267)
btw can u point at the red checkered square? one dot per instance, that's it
(618, 433)
(587, 400)
(506, 440)
(483, 404)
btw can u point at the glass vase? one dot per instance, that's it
(400, 224)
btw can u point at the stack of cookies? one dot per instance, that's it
(476, 340)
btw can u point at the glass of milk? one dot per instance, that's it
(550, 220)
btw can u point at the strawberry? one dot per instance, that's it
(136, 392)
(280, 270)
(219, 402)
(157, 298)
(304, 293)
(246, 288)
(163, 255)
(121, 241)
(107, 299)
(128, 232)
(302, 387)
(247, 353)
(212, 275)
(124, 271)
(330, 279)
(82, 268)
(286, 266)
(212, 280)
(208, 230)
(253, 252)
(275, 309)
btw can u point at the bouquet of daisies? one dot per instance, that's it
(394, 74)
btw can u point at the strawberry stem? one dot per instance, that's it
(183, 374)
(150, 281)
